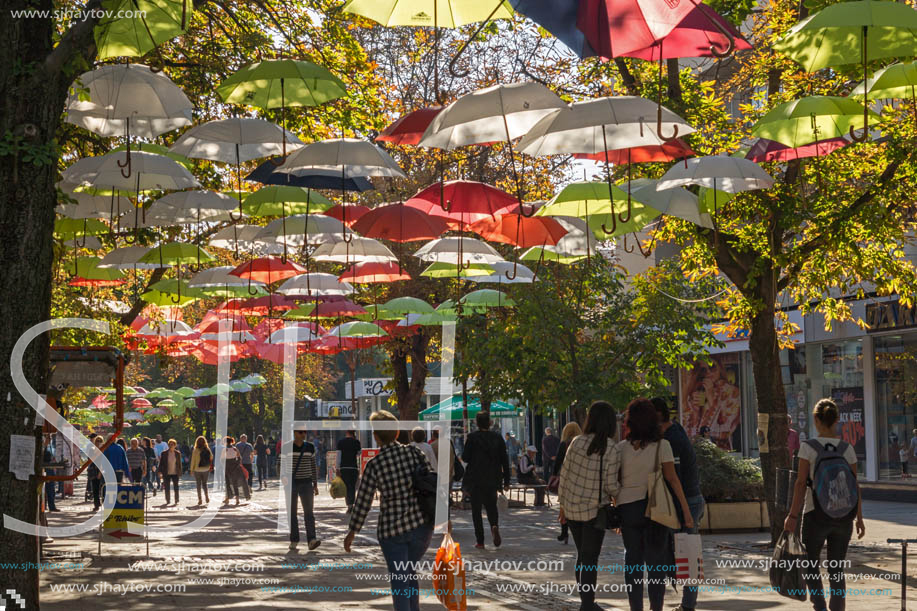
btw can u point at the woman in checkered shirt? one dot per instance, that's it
(579, 493)
(404, 535)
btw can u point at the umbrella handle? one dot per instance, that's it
(659, 126)
(463, 73)
(626, 249)
(278, 161)
(730, 46)
(446, 205)
(513, 277)
(465, 265)
(347, 237)
(524, 213)
(127, 160)
(614, 226)
(177, 298)
(646, 253)
(862, 137)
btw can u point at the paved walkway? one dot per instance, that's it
(242, 538)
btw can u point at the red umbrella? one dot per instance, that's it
(335, 309)
(462, 201)
(519, 230)
(353, 211)
(264, 328)
(400, 223)
(669, 151)
(409, 128)
(702, 31)
(257, 306)
(141, 404)
(101, 402)
(615, 28)
(211, 322)
(268, 270)
(80, 281)
(369, 273)
(768, 150)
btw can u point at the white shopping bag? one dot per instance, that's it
(689, 560)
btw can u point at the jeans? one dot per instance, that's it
(646, 545)
(588, 542)
(173, 479)
(407, 547)
(262, 470)
(148, 478)
(696, 505)
(303, 489)
(50, 488)
(814, 535)
(349, 475)
(200, 480)
(488, 498)
(95, 485)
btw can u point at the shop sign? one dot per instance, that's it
(890, 315)
(852, 421)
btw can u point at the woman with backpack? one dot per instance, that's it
(201, 464)
(827, 483)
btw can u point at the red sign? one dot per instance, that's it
(365, 455)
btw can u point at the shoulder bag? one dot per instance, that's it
(608, 516)
(660, 507)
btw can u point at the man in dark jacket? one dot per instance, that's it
(487, 465)
(550, 446)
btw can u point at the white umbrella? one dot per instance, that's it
(151, 172)
(358, 250)
(314, 285)
(80, 170)
(127, 257)
(676, 202)
(202, 203)
(242, 236)
(88, 207)
(455, 250)
(349, 156)
(301, 229)
(578, 240)
(496, 114)
(165, 328)
(294, 334)
(90, 242)
(219, 276)
(508, 273)
(722, 172)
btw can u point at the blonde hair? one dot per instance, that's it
(385, 436)
(570, 431)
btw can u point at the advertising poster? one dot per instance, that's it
(365, 455)
(852, 426)
(711, 401)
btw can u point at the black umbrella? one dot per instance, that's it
(267, 174)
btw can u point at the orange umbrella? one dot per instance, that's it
(350, 212)
(668, 151)
(369, 272)
(400, 223)
(268, 270)
(519, 230)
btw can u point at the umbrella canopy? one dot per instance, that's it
(370, 273)
(436, 13)
(496, 114)
(176, 253)
(221, 276)
(128, 257)
(519, 230)
(267, 174)
(583, 199)
(69, 228)
(327, 309)
(895, 81)
(614, 28)
(457, 250)
(301, 228)
(550, 253)
(602, 124)
(203, 204)
(128, 99)
(486, 298)
(281, 82)
(242, 236)
(314, 285)
(667, 151)
(349, 213)
(150, 22)
(347, 156)
(357, 329)
(88, 273)
(409, 128)
(462, 201)
(282, 200)
(165, 293)
(165, 328)
(258, 306)
(558, 18)
(813, 118)
(268, 270)
(234, 140)
(150, 172)
(677, 202)
(407, 305)
(454, 409)
(768, 150)
(296, 334)
(358, 250)
(720, 172)
(88, 207)
(451, 270)
(506, 272)
(400, 223)
(703, 33)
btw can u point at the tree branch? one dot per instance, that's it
(77, 40)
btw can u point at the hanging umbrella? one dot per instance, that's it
(200, 204)
(450, 250)
(482, 299)
(257, 306)
(550, 253)
(295, 334)
(267, 174)
(165, 328)
(614, 28)
(677, 202)
(150, 172)
(278, 200)
(764, 150)
(314, 284)
(150, 23)
(357, 250)
(327, 309)
(667, 151)
(221, 276)
(176, 253)
(88, 207)
(520, 274)
(300, 230)
(897, 81)
(357, 330)
(702, 33)
(399, 223)
(88, 273)
(128, 257)
(242, 236)
(451, 270)
(351, 213)
(254, 379)
(170, 292)
(559, 18)
(409, 128)
(72, 228)
(810, 119)
(369, 273)
(840, 34)
(407, 305)
(462, 202)
(158, 149)
(268, 270)
(519, 231)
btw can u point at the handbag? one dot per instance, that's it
(660, 507)
(785, 572)
(424, 483)
(608, 517)
(554, 484)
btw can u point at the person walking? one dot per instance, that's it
(50, 486)
(261, 451)
(646, 543)
(528, 475)
(550, 446)
(170, 468)
(419, 441)
(304, 472)
(816, 456)
(348, 450)
(147, 445)
(403, 532)
(570, 432)
(686, 470)
(487, 465)
(201, 465)
(136, 460)
(95, 476)
(588, 481)
(271, 456)
(246, 453)
(235, 479)
(158, 448)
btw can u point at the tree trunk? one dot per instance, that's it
(409, 391)
(259, 413)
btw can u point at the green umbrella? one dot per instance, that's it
(435, 318)
(153, 22)
(813, 118)
(158, 149)
(546, 253)
(254, 379)
(454, 409)
(284, 200)
(185, 392)
(176, 253)
(485, 298)
(228, 291)
(708, 200)
(591, 201)
(239, 386)
(851, 33)
(165, 293)
(67, 229)
(166, 403)
(87, 268)
(407, 305)
(897, 81)
(374, 311)
(450, 270)
(358, 329)
(159, 393)
(277, 83)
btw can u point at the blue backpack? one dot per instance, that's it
(834, 486)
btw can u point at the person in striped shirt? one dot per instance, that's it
(305, 488)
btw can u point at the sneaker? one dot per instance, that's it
(495, 531)
(479, 545)
(293, 545)
(314, 543)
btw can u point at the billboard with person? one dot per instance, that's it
(711, 401)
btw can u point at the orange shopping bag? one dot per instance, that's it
(449, 575)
